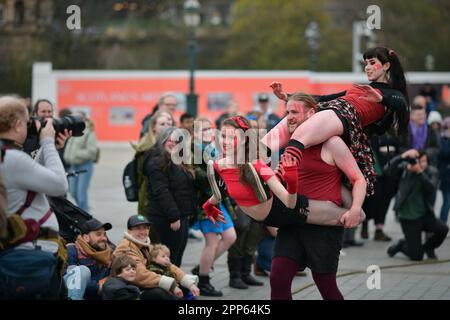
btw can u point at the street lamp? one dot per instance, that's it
(192, 21)
(360, 29)
(312, 35)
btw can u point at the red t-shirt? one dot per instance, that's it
(318, 180)
(368, 112)
(243, 194)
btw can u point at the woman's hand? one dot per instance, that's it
(175, 226)
(62, 138)
(289, 172)
(277, 88)
(370, 94)
(352, 218)
(213, 213)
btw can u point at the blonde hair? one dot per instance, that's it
(157, 248)
(11, 110)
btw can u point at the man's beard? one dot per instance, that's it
(98, 246)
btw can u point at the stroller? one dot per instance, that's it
(70, 217)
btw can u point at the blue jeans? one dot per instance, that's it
(265, 251)
(77, 279)
(79, 185)
(445, 206)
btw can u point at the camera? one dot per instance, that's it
(411, 161)
(72, 123)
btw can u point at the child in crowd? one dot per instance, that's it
(119, 285)
(160, 263)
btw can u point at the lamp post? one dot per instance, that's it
(312, 35)
(192, 21)
(360, 29)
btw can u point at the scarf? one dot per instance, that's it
(102, 257)
(419, 135)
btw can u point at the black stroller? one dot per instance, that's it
(70, 217)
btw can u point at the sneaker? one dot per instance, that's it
(381, 236)
(258, 185)
(211, 174)
(195, 234)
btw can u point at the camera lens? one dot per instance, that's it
(75, 124)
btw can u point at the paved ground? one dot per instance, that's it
(404, 281)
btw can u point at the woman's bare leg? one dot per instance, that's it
(319, 128)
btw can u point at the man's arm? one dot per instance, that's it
(344, 160)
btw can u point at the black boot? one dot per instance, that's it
(246, 272)
(206, 289)
(396, 248)
(234, 267)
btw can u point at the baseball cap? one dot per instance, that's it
(136, 220)
(94, 225)
(263, 97)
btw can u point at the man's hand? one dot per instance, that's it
(370, 94)
(194, 290)
(277, 88)
(48, 131)
(62, 138)
(352, 218)
(175, 226)
(177, 292)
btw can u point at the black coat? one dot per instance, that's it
(428, 179)
(171, 194)
(116, 288)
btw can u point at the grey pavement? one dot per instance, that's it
(403, 281)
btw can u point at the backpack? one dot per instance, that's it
(28, 274)
(130, 181)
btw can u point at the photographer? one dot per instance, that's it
(414, 205)
(27, 183)
(43, 109)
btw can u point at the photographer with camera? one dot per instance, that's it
(414, 205)
(43, 109)
(31, 222)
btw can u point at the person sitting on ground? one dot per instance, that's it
(89, 261)
(136, 244)
(414, 205)
(119, 285)
(160, 264)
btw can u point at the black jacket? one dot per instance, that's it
(428, 178)
(171, 194)
(116, 288)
